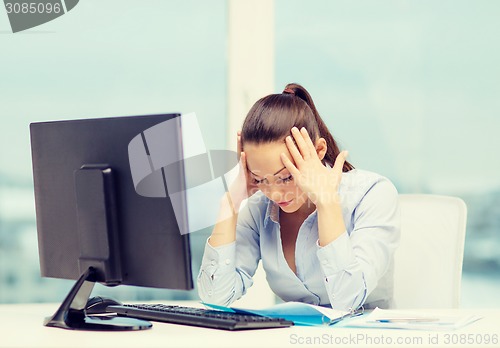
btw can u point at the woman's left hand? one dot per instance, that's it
(310, 175)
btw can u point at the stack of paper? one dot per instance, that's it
(395, 319)
(298, 312)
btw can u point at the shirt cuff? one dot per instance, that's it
(337, 255)
(221, 258)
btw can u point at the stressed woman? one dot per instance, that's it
(325, 232)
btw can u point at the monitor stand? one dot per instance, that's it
(71, 314)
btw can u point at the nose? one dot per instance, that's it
(274, 192)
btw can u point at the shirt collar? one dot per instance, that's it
(272, 212)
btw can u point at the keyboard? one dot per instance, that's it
(198, 317)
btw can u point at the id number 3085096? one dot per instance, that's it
(33, 7)
(474, 339)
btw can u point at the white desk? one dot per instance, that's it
(21, 326)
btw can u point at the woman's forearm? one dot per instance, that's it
(224, 231)
(330, 222)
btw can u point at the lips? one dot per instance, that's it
(284, 204)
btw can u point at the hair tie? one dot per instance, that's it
(288, 91)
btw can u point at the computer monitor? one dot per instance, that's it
(93, 225)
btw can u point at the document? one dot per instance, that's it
(298, 312)
(395, 319)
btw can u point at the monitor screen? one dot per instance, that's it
(91, 212)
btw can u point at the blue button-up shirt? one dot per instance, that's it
(353, 270)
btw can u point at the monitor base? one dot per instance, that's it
(71, 314)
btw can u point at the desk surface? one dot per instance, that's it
(21, 326)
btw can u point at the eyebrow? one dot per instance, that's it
(273, 174)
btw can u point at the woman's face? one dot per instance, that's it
(268, 172)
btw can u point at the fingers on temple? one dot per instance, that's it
(294, 151)
(289, 164)
(243, 160)
(308, 140)
(301, 143)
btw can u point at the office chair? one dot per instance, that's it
(428, 262)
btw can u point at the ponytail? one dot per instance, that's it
(332, 148)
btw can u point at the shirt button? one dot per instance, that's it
(228, 261)
(209, 292)
(213, 263)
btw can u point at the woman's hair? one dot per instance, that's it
(271, 119)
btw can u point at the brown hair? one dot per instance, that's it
(271, 118)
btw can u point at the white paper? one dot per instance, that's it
(412, 320)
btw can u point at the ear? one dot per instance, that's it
(321, 148)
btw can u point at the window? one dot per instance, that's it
(411, 89)
(104, 58)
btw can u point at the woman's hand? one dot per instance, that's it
(310, 175)
(251, 187)
(243, 187)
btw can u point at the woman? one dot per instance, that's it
(325, 232)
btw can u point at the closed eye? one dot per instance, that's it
(287, 179)
(257, 182)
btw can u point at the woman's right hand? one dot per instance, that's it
(243, 187)
(251, 186)
(240, 189)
